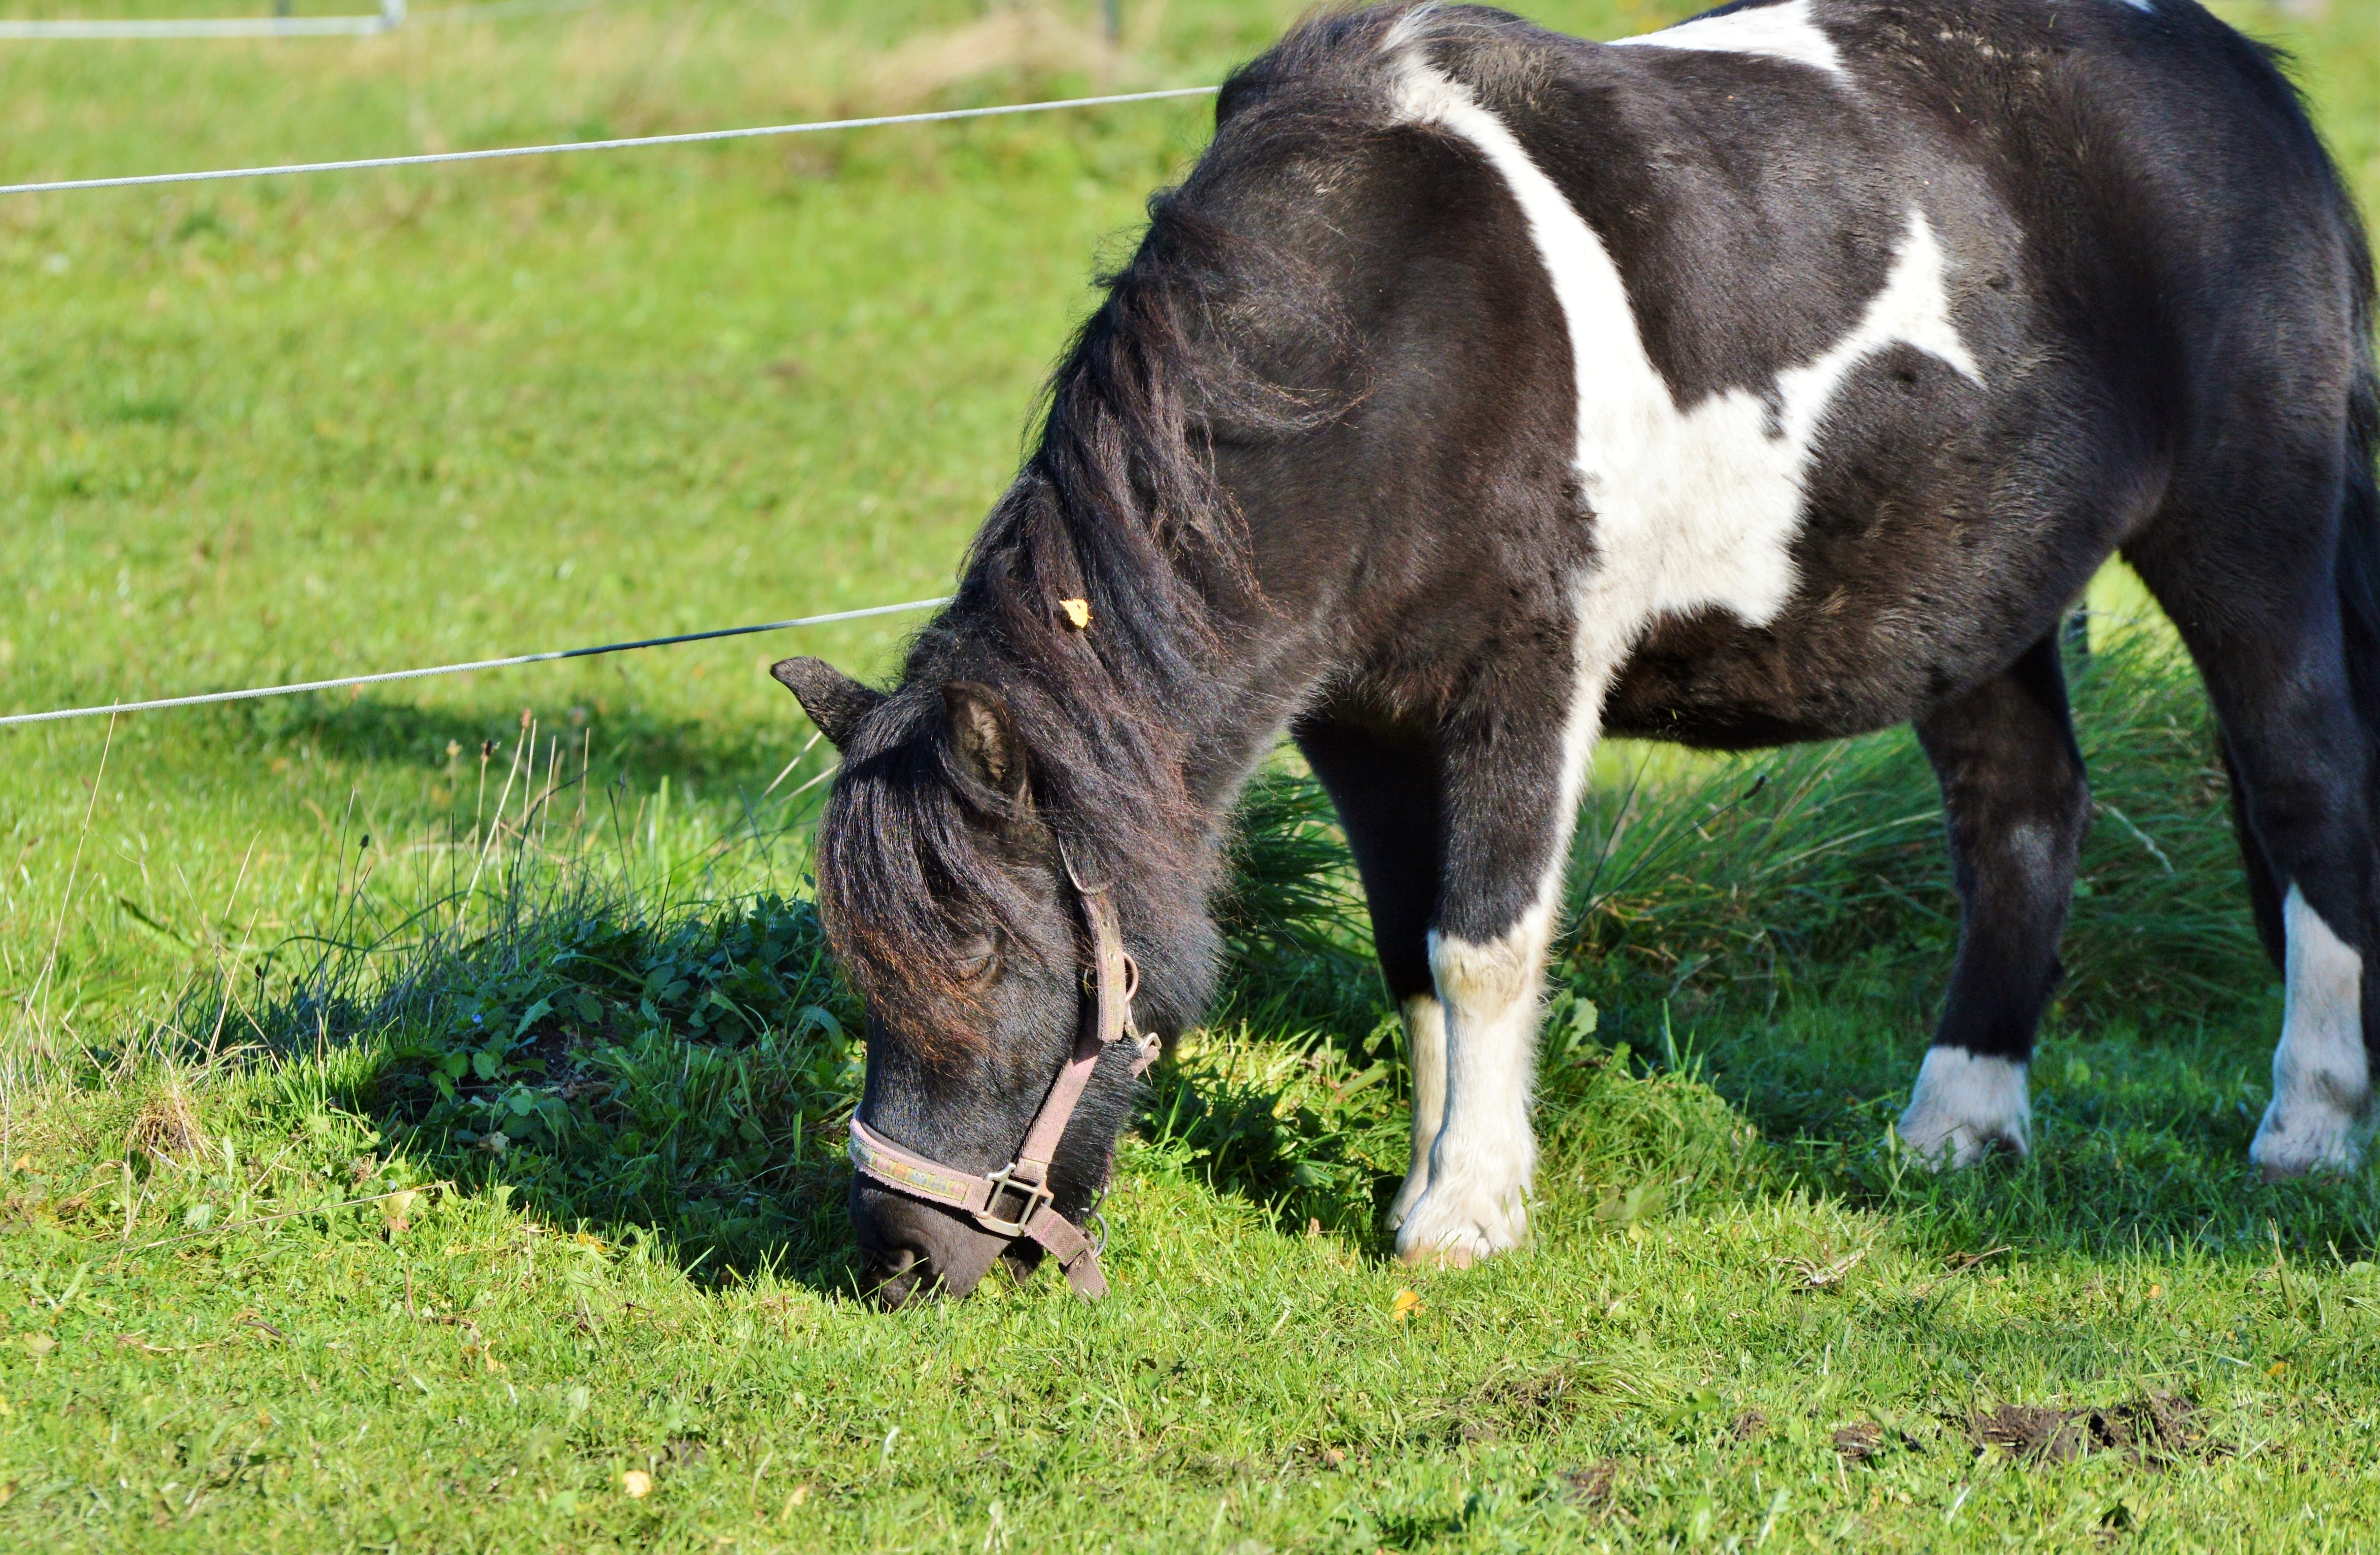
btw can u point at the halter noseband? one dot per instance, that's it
(1016, 1202)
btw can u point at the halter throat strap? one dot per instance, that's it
(1016, 1202)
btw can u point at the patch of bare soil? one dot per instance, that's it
(1549, 1397)
(1590, 1488)
(2157, 1429)
(1860, 1442)
(1531, 1404)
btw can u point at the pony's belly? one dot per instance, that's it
(1709, 681)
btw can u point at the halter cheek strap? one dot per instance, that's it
(1017, 1201)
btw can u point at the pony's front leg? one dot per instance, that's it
(1510, 805)
(1475, 1199)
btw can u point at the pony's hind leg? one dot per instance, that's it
(2298, 752)
(2017, 803)
(2263, 622)
(1387, 792)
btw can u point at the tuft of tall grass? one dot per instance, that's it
(1291, 1124)
(1748, 879)
(1297, 944)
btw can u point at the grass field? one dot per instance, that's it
(420, 1111)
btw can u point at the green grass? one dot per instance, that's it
(413, 1120)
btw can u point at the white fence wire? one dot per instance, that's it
(252, 693)
(691, 138)
(392, 15)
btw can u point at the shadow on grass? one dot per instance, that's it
(446, 740)
(684, 1069)
(2138, 1142)
(681, 1072)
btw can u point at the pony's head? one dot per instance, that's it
(946, 887)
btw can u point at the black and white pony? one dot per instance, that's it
(1779, 376)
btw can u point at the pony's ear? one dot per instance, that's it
(983, 736)
(835, 702)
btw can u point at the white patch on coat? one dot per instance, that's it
(1788, 31)
(2322, 1075)
(1693, 507)
(1963, 1106)
(1425, 1041)
(1481, 1164)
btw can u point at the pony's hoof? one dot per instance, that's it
(1956, 1148)
(2309, 1138)
(1442, 1232)
(1965, 1107)
(1459, 1251)
(1415, 1187)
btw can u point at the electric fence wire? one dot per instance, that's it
(391, 15)
(691, 138)
(385, 676)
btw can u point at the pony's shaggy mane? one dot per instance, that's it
(1118, 506)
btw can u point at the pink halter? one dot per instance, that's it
(1015, 1201)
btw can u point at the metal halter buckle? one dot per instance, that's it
(1036, 1196)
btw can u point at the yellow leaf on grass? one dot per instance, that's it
(1404, 1307)
(2277, 1368)
(39, 1344)
(637, 1483)
(7, 1488)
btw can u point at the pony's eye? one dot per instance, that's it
(979, 957)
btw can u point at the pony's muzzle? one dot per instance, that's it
(911, 1250)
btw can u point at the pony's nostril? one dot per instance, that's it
(902, 1274)
(906, 1278)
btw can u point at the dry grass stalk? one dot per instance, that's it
(167, 1131)
(1029, 40)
